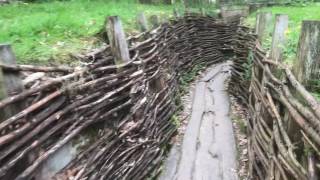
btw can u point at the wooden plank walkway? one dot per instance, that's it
(208, 150)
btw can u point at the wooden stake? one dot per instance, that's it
(176, 13)
(202, 11)
(10, 82)
(118, 42)
(154, 20)
(228, 13)
(263, 20)
(307, 67)
(142, 22)
(279, 37)
(3, 94)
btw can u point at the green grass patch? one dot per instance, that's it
(48, 32)
(296, 15)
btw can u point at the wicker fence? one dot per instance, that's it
(124, 110)
(128, 105)
(284, 118)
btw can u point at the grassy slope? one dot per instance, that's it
(296, 15)
(48, 32)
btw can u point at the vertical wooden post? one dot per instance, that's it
(154, 20)
(142, 22)
(10, 82)
(202, 11)
(176, 13)
(307, 67)
(3, 94)
(253, 7)
(228, 13)
(263, 20)
(277, 47)
(118, 42)
(279, 37)
(245, 11)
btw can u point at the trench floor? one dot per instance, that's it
(208, 149)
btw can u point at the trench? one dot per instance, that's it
(208, 149)
(130, 111)
(115, 121)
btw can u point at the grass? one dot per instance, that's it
(296, 15)
(48, 32)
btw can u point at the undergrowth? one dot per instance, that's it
(314, 87)
(248, 67)
(185, 81)
(187, 77)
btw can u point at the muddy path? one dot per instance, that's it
(208, 148)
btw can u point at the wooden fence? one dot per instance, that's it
(125, 95)
(119, 105)
(284, 125)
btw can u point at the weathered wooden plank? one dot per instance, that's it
(202, 11)
(254, 7)
(154, 20)
(142, 22)
(279, 37)
(176, 13)
(307, 67)
(263, 21)
(3, 94)
(229, 12)
(118, 42)
(10, 82)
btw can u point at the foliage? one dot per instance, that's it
(42, 32)
(175, 120)
(240, 123)
(184, 82)
(316, 95)
(248, 67)
(187, 77)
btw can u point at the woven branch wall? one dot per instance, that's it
(284, 127)
(129, 106)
